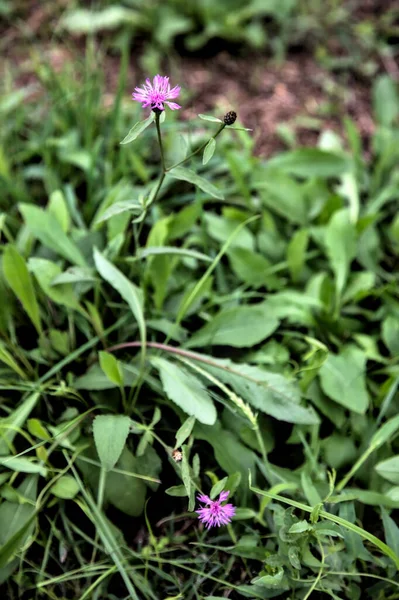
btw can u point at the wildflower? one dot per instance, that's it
(157, 93)
(213, 514)
(230, 117)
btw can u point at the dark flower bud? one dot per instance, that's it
(230, 117)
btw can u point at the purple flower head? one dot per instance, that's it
(213, 514)
(157, 93)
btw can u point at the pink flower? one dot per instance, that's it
(157, 93)
(213, 514)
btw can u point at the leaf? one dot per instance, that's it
(46, 228)
(86, 21)
(177, 490)
(118, 208)
(22, 465)
(390, 334)
(385, 100)
(7, 358)
(138, 129)
(184, 174)
(310, 162)
(239, 327)
(391, 531)
(129, 292)
(17, 520)
(185, 390)
(340, 240)
(170, 250)
(389, 469)
(272, 393)
(342, 378)
(58, 207)
(296, 253)
(110, 435)
(45, 272)
(9, 425)
(111, 368)
(185, 473)
(209, 151)
(282, 194)
(65, 487)
(95, 379)
(184, 431)
(386, 431)
(300, 527)
(210, 118)
(18, 278)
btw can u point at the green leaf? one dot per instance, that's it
(185, 390)
(118, 208)
(138, 129)
(342, 378)
(86, 21)
(389, 469)
(310, 162)
(386, 431)
(18, 278)
(385, 100)
(185, 473)
(45, 272)
(65, 487)
(7, 358)
(296, 253)
(340, 240)
(192, 177)
(177, 490)
(390, 334)
(300, 527)
(272, 393)
(184, 431)
(58, 207)
(46, 228)
(110, 435)
(22, 465)
(129, 292)
(9, 425)
(391, 531)
(210, 118)
(111, 368)
(239, 327)
(17, 520)
(209, 151)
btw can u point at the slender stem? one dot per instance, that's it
(157, 123)
(222, 126)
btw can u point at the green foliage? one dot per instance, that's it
(142, 314)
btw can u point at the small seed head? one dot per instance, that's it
(230, 117)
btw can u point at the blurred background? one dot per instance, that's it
(289, 67)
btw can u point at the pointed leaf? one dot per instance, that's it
(20, 281)
(138, 129)
(110, 435)
(192, 177)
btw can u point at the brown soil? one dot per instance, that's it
(297, 93)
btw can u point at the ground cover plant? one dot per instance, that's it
(191, 333)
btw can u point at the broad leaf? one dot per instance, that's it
(192, 177)
(185, 390)
(110, 435)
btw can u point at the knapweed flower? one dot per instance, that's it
(157, 94)
(214, 514)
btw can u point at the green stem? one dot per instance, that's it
(158, 126)
(222, 126)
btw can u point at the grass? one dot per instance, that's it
(245, 311)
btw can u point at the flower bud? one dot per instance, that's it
(230, 117)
